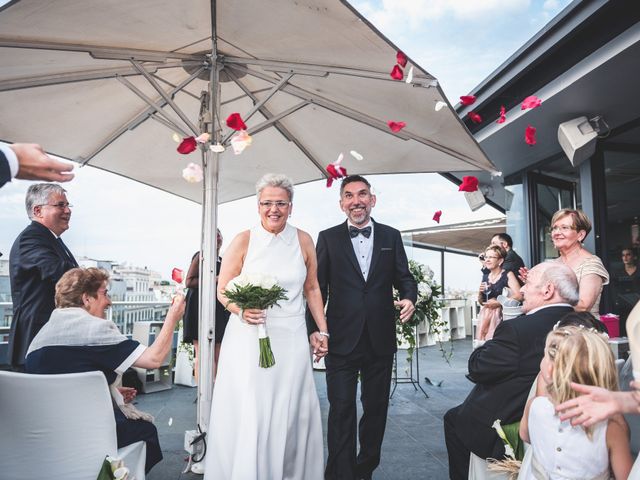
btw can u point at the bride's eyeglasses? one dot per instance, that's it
(280, 205)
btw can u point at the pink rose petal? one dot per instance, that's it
(530, 102)
(187, 145)
(401, 58)
(395, 127)
(469, 184)
(467, 100)
(530, 135)
(503, 115)
(475, 117)
(396, 73)
(437, 215)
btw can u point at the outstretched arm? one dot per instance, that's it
(596, 404)
(35, 164)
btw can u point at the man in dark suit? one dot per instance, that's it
(513, 262)
(28, 161)
(359, 263)
(37, 261)
(505, 367)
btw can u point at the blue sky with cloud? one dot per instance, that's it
(460, 42)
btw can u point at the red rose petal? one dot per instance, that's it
(467, 100)
(176, 275)
(503, 115)
(530, 135)
(530, 102)
(395, 127)
(475, 117)
(401, 58)
(396, 73)
(437, 215)
(187, 145)
(235, 122)
(329, 182)
(469, 184)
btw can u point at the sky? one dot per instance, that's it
(460, 42)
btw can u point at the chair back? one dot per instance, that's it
(55, 426)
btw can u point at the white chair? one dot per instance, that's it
(59, 426)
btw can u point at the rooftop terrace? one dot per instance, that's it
(414, 444)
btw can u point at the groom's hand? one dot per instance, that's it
(319, 345)
(406, 309)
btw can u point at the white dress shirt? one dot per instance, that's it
(362, 247)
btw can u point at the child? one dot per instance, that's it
(558, 450)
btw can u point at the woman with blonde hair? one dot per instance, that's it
(558, 449)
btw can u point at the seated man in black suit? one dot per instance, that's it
(505, 367)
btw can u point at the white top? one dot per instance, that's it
(268, 254)
(362, 247)
(566, 452)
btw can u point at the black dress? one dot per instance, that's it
(192, 311)
(495, 289)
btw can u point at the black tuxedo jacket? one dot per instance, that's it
(36, 263)
(352, 301)
(5, 171)
(503, 370)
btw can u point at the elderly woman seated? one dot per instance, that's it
(78, 338)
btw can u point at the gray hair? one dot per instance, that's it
(39, 194)
(276, 180)
(563, 279)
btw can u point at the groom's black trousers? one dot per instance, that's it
(342, 381)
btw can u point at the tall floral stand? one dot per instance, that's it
(413, 376)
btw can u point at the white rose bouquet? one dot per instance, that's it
(256, 291)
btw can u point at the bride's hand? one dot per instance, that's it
(253, 316)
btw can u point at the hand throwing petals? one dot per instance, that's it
(401, 58)
(437, 215)
(530, 135)
(235, 122)
(192, 173)
(356, 155)
(530, 102)
(396, 73)
(475, 117)
(469, 184)
(503, 115)
(395, 127)
(187, 145)
(467, 100)
(176, 275)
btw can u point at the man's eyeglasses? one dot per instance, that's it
(561, 228)
(280, 205)
(60, 205)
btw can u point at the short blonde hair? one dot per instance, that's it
(578, 218)
(497, 249)
(75, 283)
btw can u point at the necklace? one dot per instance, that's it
(493, 278)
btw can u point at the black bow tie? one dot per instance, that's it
(354, 231)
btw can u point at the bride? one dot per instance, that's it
(265, 422)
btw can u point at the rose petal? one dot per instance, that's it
(329, 182)
(176, 137)
(396, 73)
(192, 173)
(218, 148)
(469, 184)
(339, 160)
(176, 275)
(503, 115)
(235, 122)
(356, 155)
(530, 135)
(530, 102)
(496, 174)
(395, 127)
(203, 138)
(475, 117)
(467, 99)
(440, 105)
(401, 58)
(410, 75)
(240, 141)
(437, 215)
(187, 145)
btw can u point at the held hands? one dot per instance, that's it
(35, 164)
(253, 316)
(406, 309)
(319, 344)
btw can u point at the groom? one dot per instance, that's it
(359, 263)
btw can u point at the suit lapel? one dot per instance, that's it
(377, 248)
(348, 247)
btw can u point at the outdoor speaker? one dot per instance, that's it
(577, 139)
(475, 200)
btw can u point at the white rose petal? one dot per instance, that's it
(440, 105)
(356, 155)
(218, 148)
(193, 173)
(410, 75)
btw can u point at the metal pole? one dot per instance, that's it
(209, 247)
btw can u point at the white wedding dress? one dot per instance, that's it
(265, 422)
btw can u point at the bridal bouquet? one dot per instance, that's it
(256, 291)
